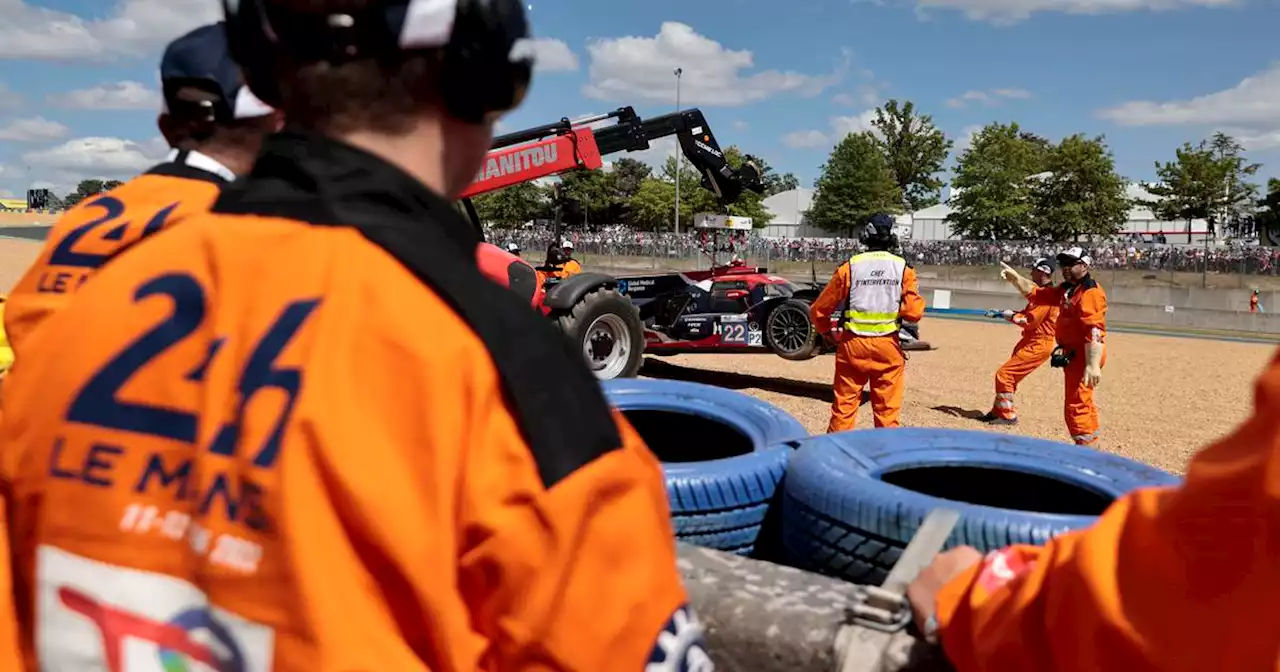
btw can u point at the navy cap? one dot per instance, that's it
(1043, 264)
(202, 59)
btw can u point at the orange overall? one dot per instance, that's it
(860, 360)
(97, 229)
(1038, 324)
(1081, 320)
(1170, 579)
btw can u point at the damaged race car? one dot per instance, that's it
(730, 308)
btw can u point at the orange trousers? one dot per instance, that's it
(860, 360)
(1028, 355)
(1079, 409)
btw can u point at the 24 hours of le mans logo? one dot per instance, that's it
(175, 639)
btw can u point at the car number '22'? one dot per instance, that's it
(98, 402)
(733, 331)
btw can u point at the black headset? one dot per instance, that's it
(479, 76)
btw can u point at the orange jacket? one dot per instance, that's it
(1039, 322)
(94, 231)
(258, 430)
(836, 294)
(568, 268)
(1167, 579)
(1083, 314)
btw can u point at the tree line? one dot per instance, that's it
(1008, 184)
(1012, 184)
(629, 193)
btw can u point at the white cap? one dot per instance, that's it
(566, 244)
(513, 248)
(1074, 253)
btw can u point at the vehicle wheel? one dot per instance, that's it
(789, 332)
(853, 500)
(723, 453)
(605, 326)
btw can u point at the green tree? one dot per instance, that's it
(994, 198)
(652, 206)
(84, 190)
(915, 150)
(856, 182)
(1267, 219)
(1208, 180)
(628, 174)
(1239, 194)
(1082, 195)
(594, 191)
(513, 206)
(775, 183)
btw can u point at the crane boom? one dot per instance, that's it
(565, 145)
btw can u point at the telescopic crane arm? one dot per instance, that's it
(565, 145)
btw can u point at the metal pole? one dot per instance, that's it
(679, 71)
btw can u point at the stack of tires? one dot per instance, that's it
(724, 454)
(742, 476)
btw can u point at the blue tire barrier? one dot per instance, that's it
(853, 500)
(724, 454)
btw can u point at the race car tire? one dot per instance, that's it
(605, 327)
(789, 332)
(723, 454)
(853, 500)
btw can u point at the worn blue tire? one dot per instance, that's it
(724, 454)
(853, 500)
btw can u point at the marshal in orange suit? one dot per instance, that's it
(1168, 580)
(1081, 333)
(879, 290)
(1039, 324)
(215, 126)
(308, 434)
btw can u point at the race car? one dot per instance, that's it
(733, 308)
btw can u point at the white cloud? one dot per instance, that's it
(1255, 100)
(1250, 111)
(1005, 12)
(128, 28)
(856, 124)
(739, 125)
(966, 137)
(845, 99)
(552, 55)
(657, 154)
(35, 129)
(987, 98)
(840, 127)
(99, 158)
(636, 69)
(805, 139)
(124, 95)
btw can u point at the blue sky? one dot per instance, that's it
(783, 80)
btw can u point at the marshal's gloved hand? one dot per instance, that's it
(1092, 364)
(1024, 285)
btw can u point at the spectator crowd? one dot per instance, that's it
(621, 241)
